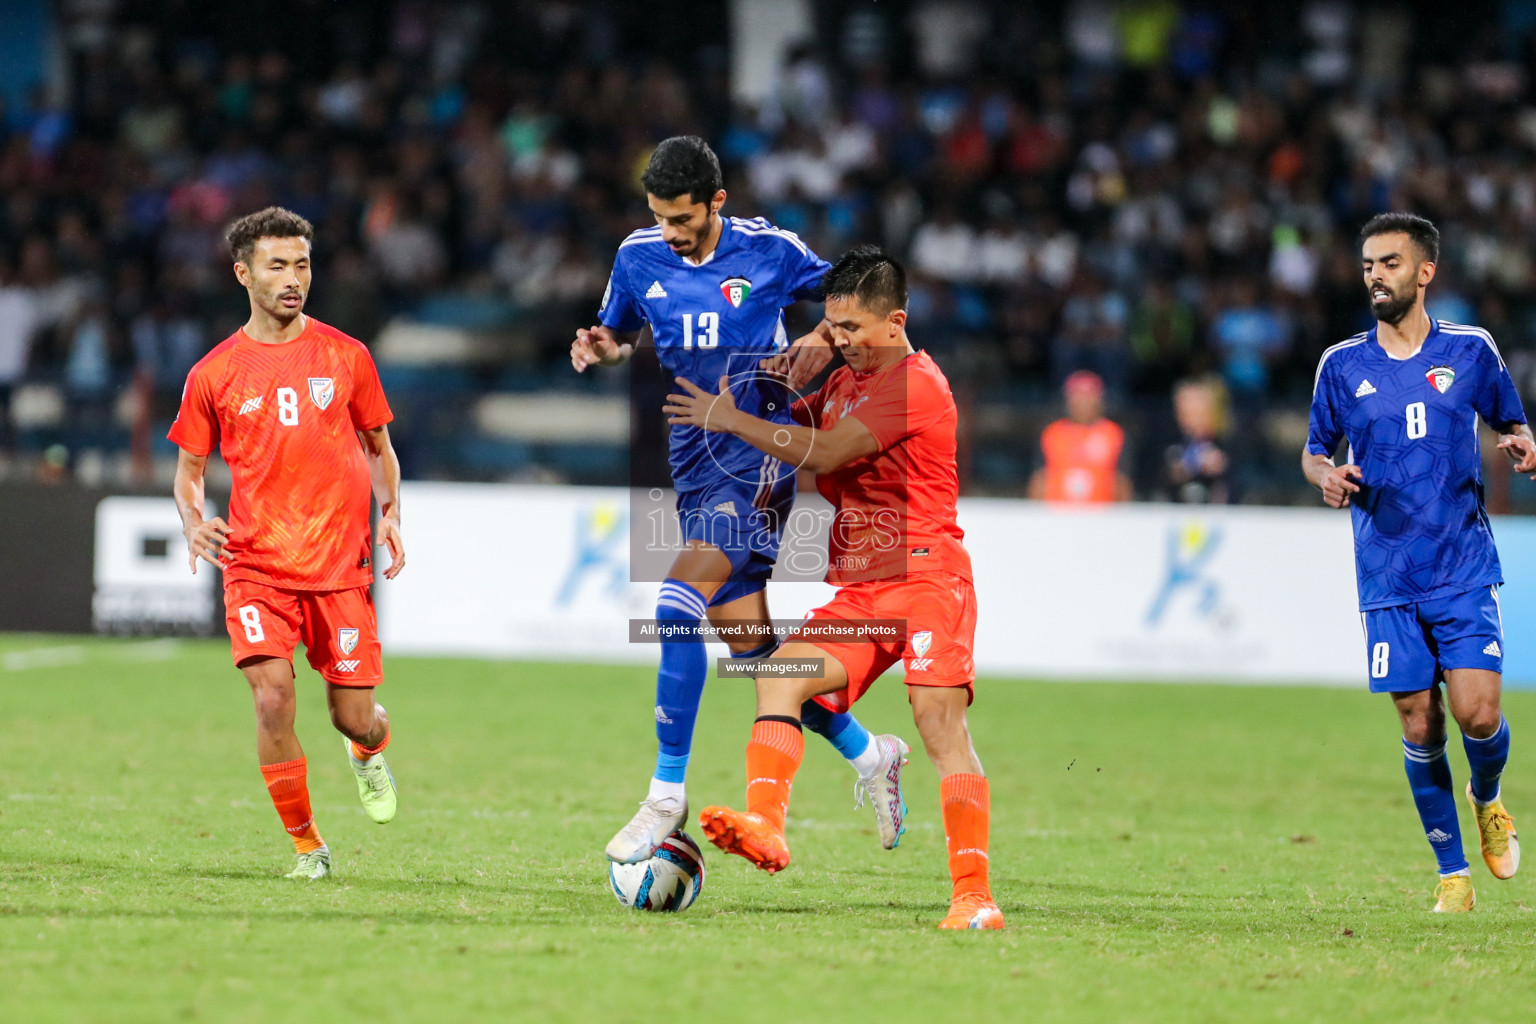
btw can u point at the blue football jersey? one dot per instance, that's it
(1421, 531)
(712, 320)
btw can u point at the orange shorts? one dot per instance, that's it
(936, 616)
(337, 627)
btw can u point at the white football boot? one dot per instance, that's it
(312, 865)
(656, 819)
(375, 785)
(883, 787)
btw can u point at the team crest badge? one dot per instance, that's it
(922, 641)
(736, 291)
(346, 637)
(1442, 377)
(321, 391)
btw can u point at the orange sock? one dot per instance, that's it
(773, 757)
(288, 783)
(363, 753)
(967, 816)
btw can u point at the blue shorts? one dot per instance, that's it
(1408, 646)
(743, 518)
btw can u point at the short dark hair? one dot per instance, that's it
(683, 164)
(867, 274)
(1420, 230)
(273, 222)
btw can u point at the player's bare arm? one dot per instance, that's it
(205, 538)
(820, 451)
(384, 472)
(1517, 441)
(602, 346)
(807, 356)
(1336, 482)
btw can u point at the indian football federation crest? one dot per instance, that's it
(346, 639)
(921, 642)
(736, 291)
(321, 391)
(1442, 377)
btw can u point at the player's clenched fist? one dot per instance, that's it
(1340, 483)
(596, 346)
(206, 541)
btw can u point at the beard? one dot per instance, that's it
(282, 313)
(1394, 309)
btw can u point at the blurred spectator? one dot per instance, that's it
(1198, 470)
(1093, 332)
(1082, 452)
(18, 320)
(1249, 336)
(945, 247)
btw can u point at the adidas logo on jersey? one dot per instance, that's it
(656, 291)
(348, 666)
(728, 507)
(1492, 650)
(661, 716)
(1365, 388)
(1437, 836)
(251, 405)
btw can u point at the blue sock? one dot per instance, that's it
(842, 730)
(1486, 758)
(680, 679)
(1429, 775)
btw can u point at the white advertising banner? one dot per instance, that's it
(1126, 592)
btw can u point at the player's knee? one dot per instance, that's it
(1423, 729)
(353, 720)
(274, 704)
(1482, 721)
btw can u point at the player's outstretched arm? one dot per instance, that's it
(1519, 444)
(820, 451)
(1336, 482)
(205, 538)
(602, 346)
(384, 472)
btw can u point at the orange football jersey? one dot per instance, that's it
(1081, 460)
(896, 508)
(285, 417)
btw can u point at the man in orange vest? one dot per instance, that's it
(1082, 451)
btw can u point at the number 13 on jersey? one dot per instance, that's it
(709, 330)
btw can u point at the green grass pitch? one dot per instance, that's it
(1163, 853)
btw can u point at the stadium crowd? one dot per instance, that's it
(1150, 190)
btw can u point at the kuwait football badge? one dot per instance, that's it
(346, 638)
(1442, 377)
(321, 391)
(736, 291)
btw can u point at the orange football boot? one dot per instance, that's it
(1496, 832)
(746, 835)
(973, 910)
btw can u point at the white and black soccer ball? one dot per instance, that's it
(669, 881)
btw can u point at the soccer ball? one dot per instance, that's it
(669, 881)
